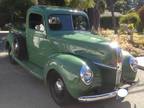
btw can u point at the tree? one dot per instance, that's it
(120, 6)
(80, 4)
(16, 8)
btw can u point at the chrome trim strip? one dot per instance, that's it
(97, 97)
(106, 66)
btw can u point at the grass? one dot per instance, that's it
(136, 49)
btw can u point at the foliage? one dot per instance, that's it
(102, 6)
(16, 8)
(126, 28)
(81, 4)
(129, 18)
(136, 49)
(120, 6)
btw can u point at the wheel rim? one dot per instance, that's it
(16, 47)
(59, 86)
(57, 89)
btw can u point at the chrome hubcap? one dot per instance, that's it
(59, 86)
(16, 46)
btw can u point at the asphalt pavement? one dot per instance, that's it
(20, 89)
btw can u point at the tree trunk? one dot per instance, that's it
(94, 17)
(90, 15)
(113, 16)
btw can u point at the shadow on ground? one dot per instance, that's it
(103, 104)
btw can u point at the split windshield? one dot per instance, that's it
(61, 22)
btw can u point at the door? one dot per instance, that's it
(36, 39)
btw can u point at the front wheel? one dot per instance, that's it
(58, 90)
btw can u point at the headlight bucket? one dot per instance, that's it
(86, 75)
(133, 64)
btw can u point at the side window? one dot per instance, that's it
(59, 22)
(80, 23)
(36, 22)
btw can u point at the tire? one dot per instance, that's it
(58, 90)
(11, 59)
(19, 47)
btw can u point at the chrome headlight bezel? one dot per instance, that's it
(133, 64)
(86, 75)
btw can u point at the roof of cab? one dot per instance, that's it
(54, 9)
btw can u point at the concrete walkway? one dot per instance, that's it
(141, 62)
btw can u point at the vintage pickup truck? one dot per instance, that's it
(58, 47)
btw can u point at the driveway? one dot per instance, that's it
(19, 89)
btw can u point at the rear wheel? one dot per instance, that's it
(19, 47)
(11, 59)
(58, 90)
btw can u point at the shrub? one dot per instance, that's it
(129, 18)
(120, 6)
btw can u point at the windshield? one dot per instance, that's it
(68, 22)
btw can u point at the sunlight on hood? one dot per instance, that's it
(114, 44)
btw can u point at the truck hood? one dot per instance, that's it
(85, 45)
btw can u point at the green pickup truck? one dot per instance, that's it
(58, 47)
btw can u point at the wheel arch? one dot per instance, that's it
(50, 72)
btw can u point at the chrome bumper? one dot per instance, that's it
(97, 97)
(102, 96)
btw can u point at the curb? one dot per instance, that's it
(4, 31)
(140, 62)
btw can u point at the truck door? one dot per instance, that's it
(36, 35)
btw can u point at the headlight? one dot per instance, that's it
(133, 64)
(86, 75)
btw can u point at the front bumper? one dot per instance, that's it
(103, 96)
(97, 97)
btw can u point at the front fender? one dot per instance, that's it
(68, 66)
(128, 75)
